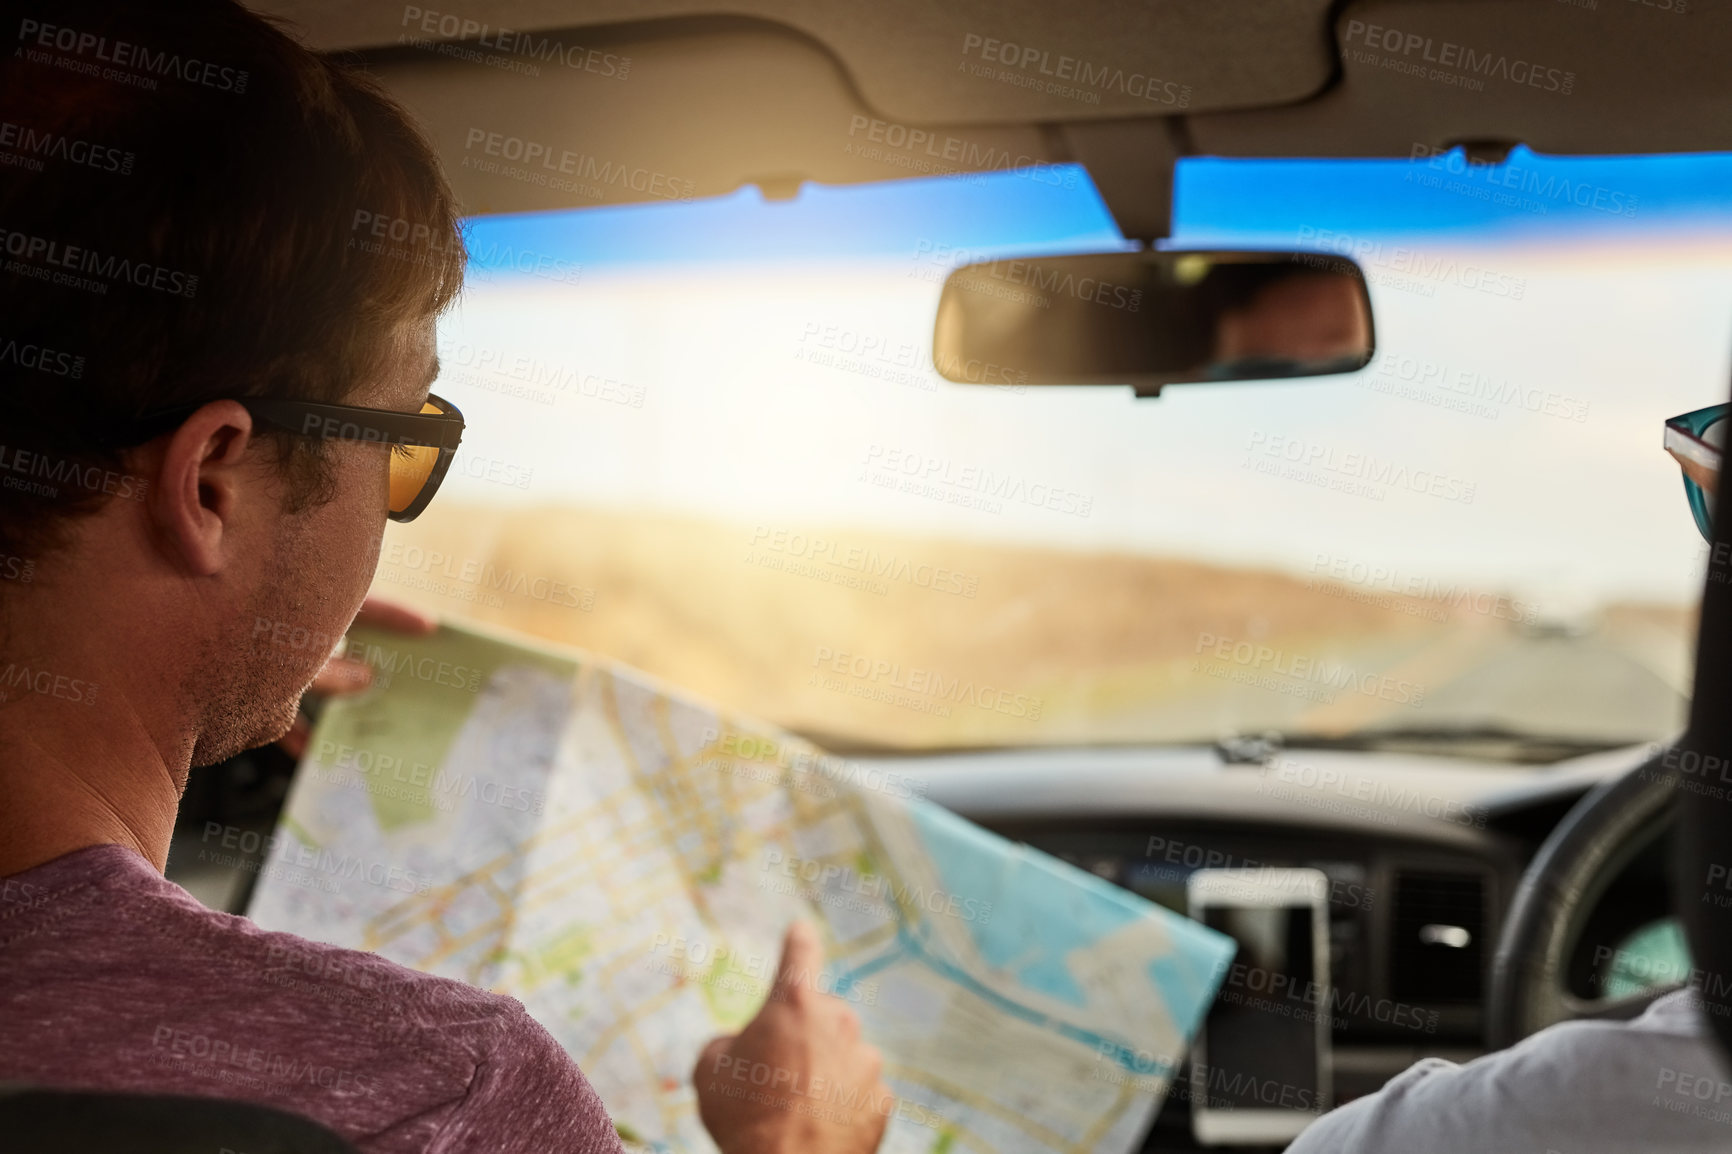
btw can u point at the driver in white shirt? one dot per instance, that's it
(1655, 1085)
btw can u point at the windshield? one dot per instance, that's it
(706, 438)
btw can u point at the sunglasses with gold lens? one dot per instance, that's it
(422, 444)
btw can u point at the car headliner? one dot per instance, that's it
(775, 92)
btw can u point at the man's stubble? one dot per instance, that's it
(245, 689)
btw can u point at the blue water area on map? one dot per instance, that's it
(1040, 910)
(1043, 909)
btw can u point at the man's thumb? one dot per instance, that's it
(802, 959)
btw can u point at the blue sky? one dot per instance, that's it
(1216, 201)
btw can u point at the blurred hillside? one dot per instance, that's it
(864, 639)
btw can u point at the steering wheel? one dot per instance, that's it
(1583, 855)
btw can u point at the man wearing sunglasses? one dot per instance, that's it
(214, 391)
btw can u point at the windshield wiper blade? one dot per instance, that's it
(1492, 742)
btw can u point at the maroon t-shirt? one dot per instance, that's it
(114, 978)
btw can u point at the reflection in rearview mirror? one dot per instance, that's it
(1150, 319)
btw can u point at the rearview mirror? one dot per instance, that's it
(1151, 319)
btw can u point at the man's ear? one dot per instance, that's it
(199, 485)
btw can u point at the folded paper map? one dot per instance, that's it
(624, 860)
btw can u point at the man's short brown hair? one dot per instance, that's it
(191, 207)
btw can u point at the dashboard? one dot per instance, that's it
(1423, 855)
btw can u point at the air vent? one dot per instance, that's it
(1440, 938)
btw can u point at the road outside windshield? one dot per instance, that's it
(706, 438)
